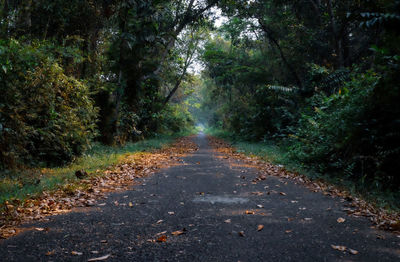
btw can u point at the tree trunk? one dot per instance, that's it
(270, 36)
(337, 38)
(4, 17)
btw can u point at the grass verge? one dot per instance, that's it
(23, 184)
(278, 155)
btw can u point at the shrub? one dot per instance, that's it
(45, 116)
(340, 133)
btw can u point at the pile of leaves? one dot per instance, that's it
(85, 192)
(356, 206)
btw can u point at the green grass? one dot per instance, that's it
(22, 184)
(276, 154)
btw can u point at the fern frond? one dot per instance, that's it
(283, 89)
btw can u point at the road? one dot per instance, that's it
(205, 201)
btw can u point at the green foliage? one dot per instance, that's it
(330, 129)
(173, 119)
(46, 116)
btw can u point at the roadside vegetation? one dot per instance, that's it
(313, 85)
(28, 183)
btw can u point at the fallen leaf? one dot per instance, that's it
(249, 212)
(282, 193)
(161, 233)
(353, 251)
(288, 231)
(380, 237)
(177, 233)
(50, 253)
(340, 248)
(159, 221)
(76, 253)
(39, 228)
(260, 227)
(307, 218)
(130, 204)
(228, 221)
(241, 233)
(162, 238)
(103, 241)
(340, 220)
(171, 213)
(99, 258)
(260, 206)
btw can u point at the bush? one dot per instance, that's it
(45, 116)
(174, 118)
(340, 133)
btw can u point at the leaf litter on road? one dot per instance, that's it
(382, 218)
(86, 191)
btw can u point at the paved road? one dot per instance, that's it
(203, 194)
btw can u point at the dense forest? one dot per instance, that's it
(319, 78)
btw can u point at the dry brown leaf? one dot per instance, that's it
(353, 251)
(260, 206)
(162, 238)
(130, 204)
(159, 221)
(241, 233)
(282, 193)
(288, 231)
(228, 221)
(171, 213)
(249, 212)
(161, 233)
(340, 220)
(50, 253)
(260, 227)
(340, 248)
(76, 253)
(99, 258)
(177, 233)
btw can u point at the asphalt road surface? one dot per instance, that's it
(206, 200)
